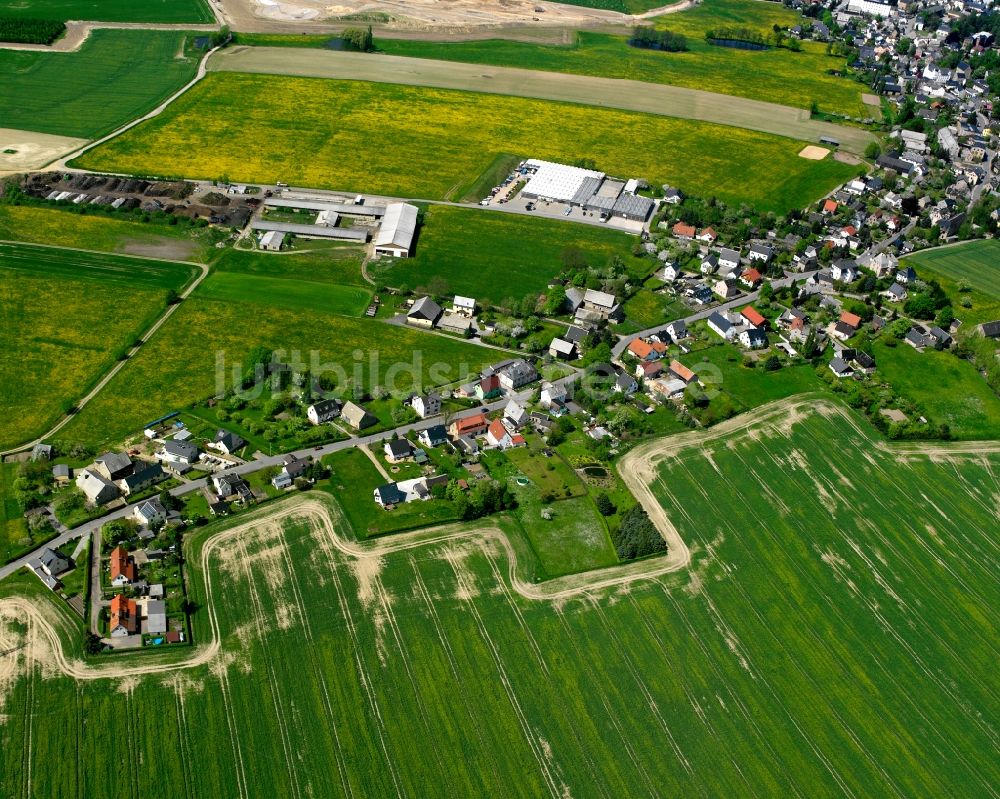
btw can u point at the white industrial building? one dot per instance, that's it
(588, 189)
(557, 182)
(395, 236)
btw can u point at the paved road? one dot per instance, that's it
(93, 527)
(119, 365)
(629, 95)
(745, 299)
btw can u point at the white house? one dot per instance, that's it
(150, 513)
(722, 326)
(426, 405)
(323, 411)
(466, 306)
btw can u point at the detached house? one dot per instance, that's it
(323, 411)
(356, 416)
(426, 405)
(123, 568)
(124, 617)
(433, 436)
(722, 326)
(470, 426)
(96, 487)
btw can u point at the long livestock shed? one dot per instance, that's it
(346, 209)
(316, 231)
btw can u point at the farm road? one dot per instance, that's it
(627, 95)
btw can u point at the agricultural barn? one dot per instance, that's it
(272, 240)
(395, 237)
(341, 209)
(312, 231)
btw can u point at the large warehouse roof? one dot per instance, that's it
(557, 181)
(398, 226)
(317, 231)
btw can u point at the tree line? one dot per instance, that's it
(649, 38)
(30, 31)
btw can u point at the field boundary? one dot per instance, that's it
(625, 95)
(638, 469)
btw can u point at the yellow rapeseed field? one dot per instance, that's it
(423, 143)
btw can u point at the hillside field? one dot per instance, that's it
(64, 228)
(491, 256)
(179, 364)
(834, 635)
(116, 76)
(63, 317)
(172, 11)
(974, 265)
(425, 143)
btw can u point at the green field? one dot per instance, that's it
(179, 364)
(428, 143)
(173, 11)
(13, 527)
(491, 256)
(946, 389)
(975, 265)
(779, 76)
(64, 228)
(116, 76)
(829, 639)
(280, 292)
(64, 315)
(313, 263)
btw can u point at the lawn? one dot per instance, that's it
(280, 292)
(68, 229)
(64, 317)
(834, 635)
(117, 75)
(974, 265)
(646, 309)
(14, 537)
(192, 357)
(354, 478)
(490, 256)
(947, 389)
(171, 11)
(426, 143)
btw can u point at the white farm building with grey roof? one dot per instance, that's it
(399, 225)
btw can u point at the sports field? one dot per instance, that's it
(174, 11)
(64, 317)
(425, 143)
(116, 76)
(179, 364)
(492, 256)
(827, 640)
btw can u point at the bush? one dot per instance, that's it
(604, 504)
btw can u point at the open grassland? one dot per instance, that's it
(970, 270)
(946, 389)
(834, 635)
(426, 143)
(13, 527)
(66, 229)
(314, 263)
(280, 292)
(775, 76)
(174, 11)
(63, 317)
(116, 76)
(179, 364)
(490, 256)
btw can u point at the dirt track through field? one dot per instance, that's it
(638, 468)
(627, 95)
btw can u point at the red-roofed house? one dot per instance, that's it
(851, 319)
(642, 350)
(681, 372)
(752, 315)
(123, 568)
(648, 369)
(469, 426)
(499, 436)
(708, 236)
(124, 616)
(830, 207)
(751, 278)
(683, 231)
